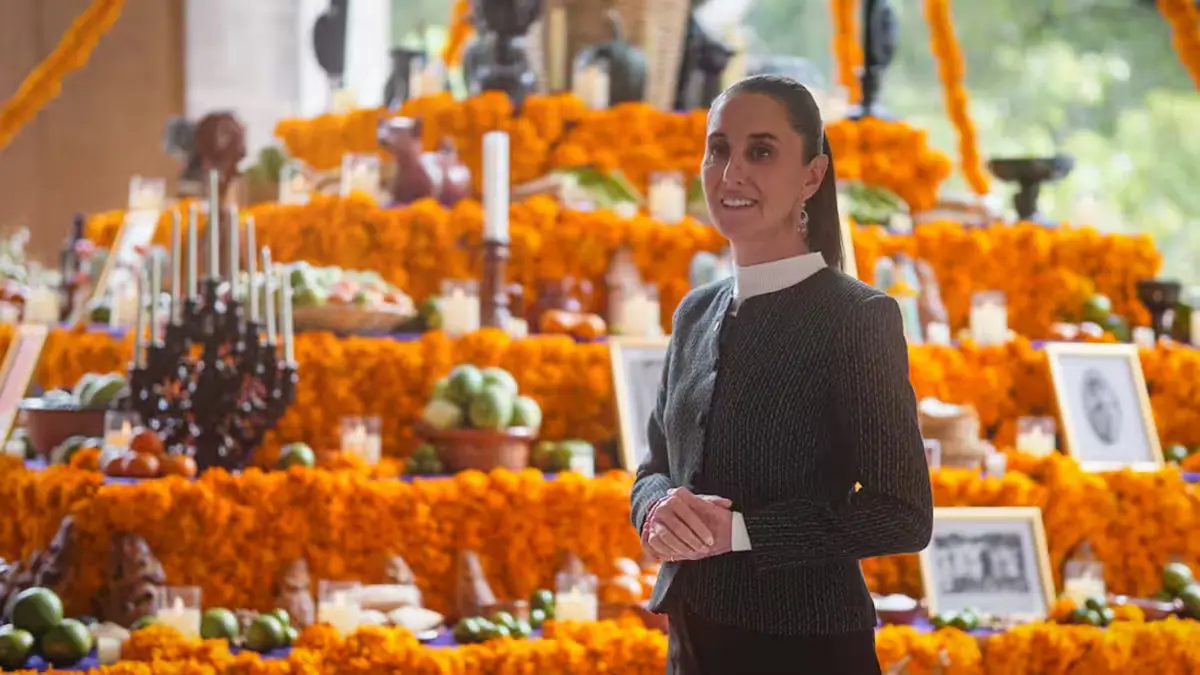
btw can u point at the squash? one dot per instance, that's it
(626, 64)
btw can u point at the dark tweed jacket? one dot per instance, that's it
(782, 408)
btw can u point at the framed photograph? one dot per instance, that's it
(637, 365)
(989, 560)
(16, 373)
(1107, 422)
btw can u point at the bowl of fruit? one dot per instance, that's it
(477, 419)
(60, 414)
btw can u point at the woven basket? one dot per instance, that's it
(49, 427)
(348, 319)
(481, 449)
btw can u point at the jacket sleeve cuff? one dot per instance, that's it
(740, 538)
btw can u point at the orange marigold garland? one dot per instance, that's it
(951, 69)
(1184, 18)
(458, 32)
(71, 54)
(847, 47)
(889, 154)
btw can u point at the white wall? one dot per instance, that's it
(256, 58)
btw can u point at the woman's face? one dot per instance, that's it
(754, 174)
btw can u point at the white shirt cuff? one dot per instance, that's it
(740, 541)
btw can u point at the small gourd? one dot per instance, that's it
(626, 63)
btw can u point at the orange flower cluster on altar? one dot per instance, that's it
(951, 67)
(847, 47)
(1046, 274)
(560, 132)
(889, 154)
(1128, 647)
(573, 381)
(1184, 18)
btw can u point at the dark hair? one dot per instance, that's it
(824, 223)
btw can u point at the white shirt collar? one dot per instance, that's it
(774, 276)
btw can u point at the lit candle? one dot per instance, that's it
(182, 618)
(285, 297)
(495, 186)
(143, 285)
(235, 239)
(214, 222)
(460, 312)
(1036, 441)
(176, 262)
(155, 292)
(252, 268)
(193, 264)
(339, 612)
(575, 605)
(995, 464)
(989, 320)
(269, 296)
(667, 199)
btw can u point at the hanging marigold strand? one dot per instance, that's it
(847, 48)
(947, 53)
(459, 31)
(45, 82)
(1184, 19)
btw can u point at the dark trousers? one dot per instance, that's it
(698, 646)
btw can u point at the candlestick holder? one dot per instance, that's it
(212, 382)
(493, 292)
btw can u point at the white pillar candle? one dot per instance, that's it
(143, 286)
(214, 226)
(667, 198)
(269, 295)
(995, 464)
(1037, 442)
(156, 264)
(575, 605)
(340, 612)
(176, 262)
(1143, 336)
(108, 651)
(235, 285)
(989, 320)
(285, 297)
(252, 268)
(184, 619)
(460, 312)
(193, 267)
(495, 186)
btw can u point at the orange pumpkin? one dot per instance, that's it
(557, 321)
(590, 327)
(141, 465)
(179, 465)
(148, 442)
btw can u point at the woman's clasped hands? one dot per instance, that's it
(688, 526)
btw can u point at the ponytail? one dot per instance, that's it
(824, 221)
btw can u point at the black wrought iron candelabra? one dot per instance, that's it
(212, 383)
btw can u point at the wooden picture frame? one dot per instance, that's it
(636, 392)
(19, 366)
(954, 581)
(137, 229)
(1104, 406)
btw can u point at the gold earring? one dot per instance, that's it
(802, 221)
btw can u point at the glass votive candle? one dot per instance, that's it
(338, 605)
(373, 447)
(181, 610)
(575, 598)
(118, 428)
(353, 434)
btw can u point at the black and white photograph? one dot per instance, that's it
(989, 560)
(637, 372)
(1106, 418)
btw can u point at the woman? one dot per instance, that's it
(784, 446)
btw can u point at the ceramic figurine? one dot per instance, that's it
(419, 174)
(135, 582)
(293, 593)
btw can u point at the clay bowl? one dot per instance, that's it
(48, 427)
(1155, 610)
(481, 449)
(899, 617)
